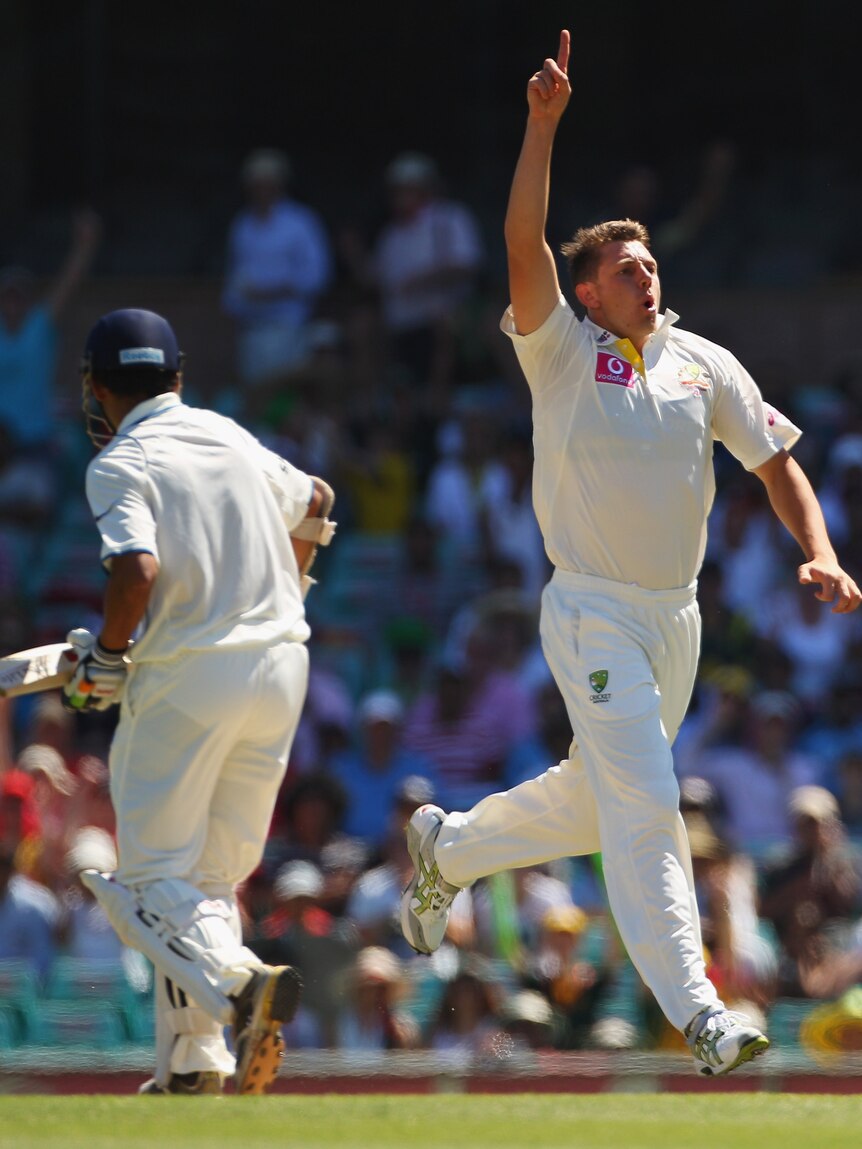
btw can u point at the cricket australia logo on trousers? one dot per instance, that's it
(598, 681)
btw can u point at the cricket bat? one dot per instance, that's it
(41, 668)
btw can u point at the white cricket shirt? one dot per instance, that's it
(623, 477)
(214, 507)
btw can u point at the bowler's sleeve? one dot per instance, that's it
(751, 429)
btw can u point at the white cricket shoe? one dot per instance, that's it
(722, 1041)
(427, 899)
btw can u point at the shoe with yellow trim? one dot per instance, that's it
(427, 898)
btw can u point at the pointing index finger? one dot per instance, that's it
(563, 51)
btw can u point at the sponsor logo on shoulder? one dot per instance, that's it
(613, 369)
(598, 680)
(131, 355)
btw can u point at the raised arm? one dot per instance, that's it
(533, 284)
(796, 505)
(86, 235)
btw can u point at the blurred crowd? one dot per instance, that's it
(372, 358)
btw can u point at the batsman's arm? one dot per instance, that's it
(130, 584)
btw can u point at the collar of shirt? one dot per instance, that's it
(148, 408)
(652, 348)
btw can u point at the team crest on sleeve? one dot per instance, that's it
(598, 680)
(613, 369)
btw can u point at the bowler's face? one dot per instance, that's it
(625, 295)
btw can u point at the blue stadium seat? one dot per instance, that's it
(19, 994)
(96, 1025)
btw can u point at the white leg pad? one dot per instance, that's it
(186, 936)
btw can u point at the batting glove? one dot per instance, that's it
(99, 677)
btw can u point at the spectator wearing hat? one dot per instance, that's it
(814, 895)
(372, 771)
(372, 1016)
(528, 1018)
(42, 856)
(753, 781)
(279, 263)
(302, 933)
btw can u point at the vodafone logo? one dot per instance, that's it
(613, 369)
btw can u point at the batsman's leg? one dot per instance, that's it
(186, 936)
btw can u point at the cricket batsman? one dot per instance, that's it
(207, 539)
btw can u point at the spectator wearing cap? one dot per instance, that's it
(302, 933)
(753, 781)
(279, 264)
(813, 896)
(372, 771)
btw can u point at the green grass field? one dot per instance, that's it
(441, 1121)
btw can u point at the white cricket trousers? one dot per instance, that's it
(197, 760)
(625, 661)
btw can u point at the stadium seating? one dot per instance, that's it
(19, 994)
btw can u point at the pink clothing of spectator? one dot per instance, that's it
(467, 728)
